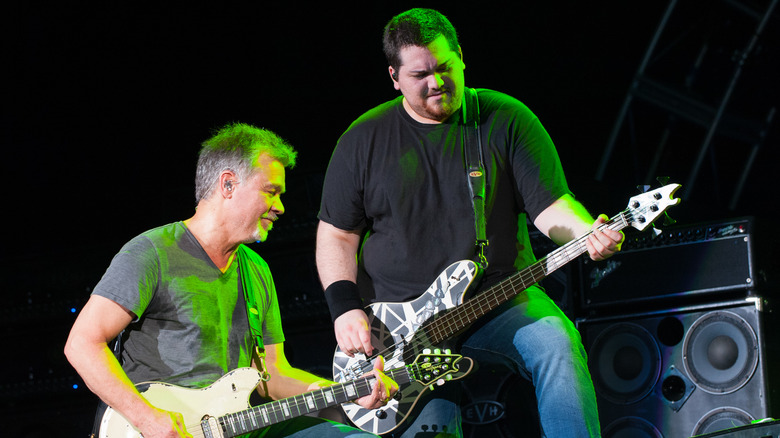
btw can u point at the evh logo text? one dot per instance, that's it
(483, 412)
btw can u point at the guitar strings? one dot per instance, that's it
(478, 306)
(443, 327)
(275, 410)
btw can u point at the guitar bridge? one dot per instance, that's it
(355, 370)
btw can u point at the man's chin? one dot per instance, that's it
(441, 114)
(261, 235)
(434, 111)
(443, 109)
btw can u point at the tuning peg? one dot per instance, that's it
(656, 232)
(664, 180)
(426, 351)
(643, 188)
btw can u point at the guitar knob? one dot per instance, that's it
(380, 414)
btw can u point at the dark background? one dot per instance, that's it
(104, 108)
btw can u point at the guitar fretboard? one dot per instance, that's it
(239, 423)
(459, 318)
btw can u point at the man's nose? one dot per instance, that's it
(278, 206)
(436, 81)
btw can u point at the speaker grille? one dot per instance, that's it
(721, 352)
(625, 363)
(720, 419)
(631, 427)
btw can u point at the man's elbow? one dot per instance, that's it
(75, 349)
(72, 356)
(70, 350)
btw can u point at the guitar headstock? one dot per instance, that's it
(643, 209)
(436, 367)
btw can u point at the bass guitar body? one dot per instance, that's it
(397, 333)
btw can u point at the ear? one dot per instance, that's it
(460, 52)
(394, 76)
(227, 182)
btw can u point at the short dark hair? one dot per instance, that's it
(416, 27)
(236, 147)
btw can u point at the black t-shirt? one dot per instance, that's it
(405, 184)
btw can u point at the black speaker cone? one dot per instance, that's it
(720, 352)
(631, 427)
(720, 419)
(625, 363)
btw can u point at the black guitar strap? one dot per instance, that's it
(475, 168)
(252, 313)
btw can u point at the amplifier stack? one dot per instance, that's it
(689, 264)
(675, 331)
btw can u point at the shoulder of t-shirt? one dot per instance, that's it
(157, 236)
(164, 231)
(499, 100)
(254, 257)
(376, 113)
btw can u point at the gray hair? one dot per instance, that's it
(236, 147)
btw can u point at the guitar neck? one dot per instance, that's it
(257, 417)
(459, 318)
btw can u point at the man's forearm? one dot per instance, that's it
(104, 376)
(564, 220)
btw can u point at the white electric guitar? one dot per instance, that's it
(399, 331)
(221, 410)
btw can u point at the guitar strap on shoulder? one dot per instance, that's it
(252, 314)
(475, 168)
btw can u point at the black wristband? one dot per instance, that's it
(342, 296)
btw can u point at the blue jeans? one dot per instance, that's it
(533, 337)
(309, 427)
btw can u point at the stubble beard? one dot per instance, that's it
(261, 234)
(443, 108)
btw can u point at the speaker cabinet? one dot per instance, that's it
(678, 373)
